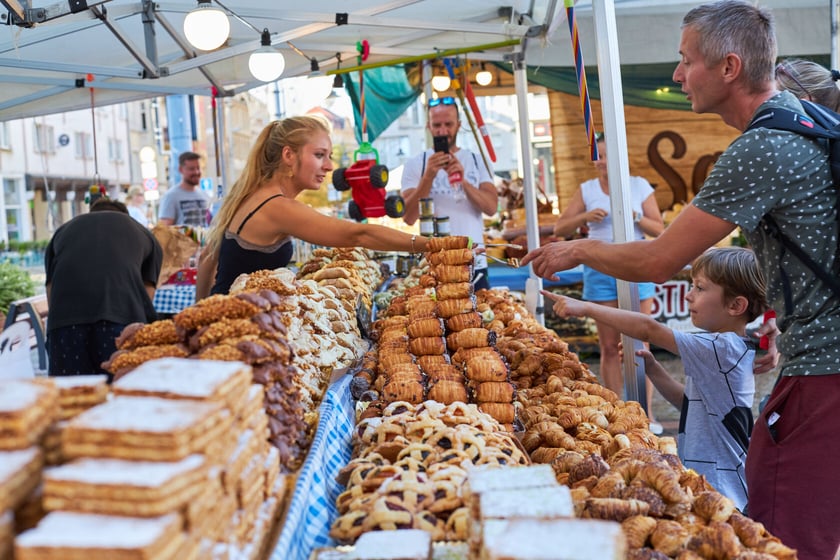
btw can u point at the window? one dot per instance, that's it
(115, 152)
(12, 199)
(84, 145)
(5, 141)
(44, 138)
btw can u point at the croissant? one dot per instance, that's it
(450, 256)
(493, 391)
(663, 480)
(669, 537)
(448, 392)
(749, 531)
(447, 243)
(613, 508)
(713, 506)
(471, 338)
(427, 345)
(591, 465)
(641, 492)
(505, 413)
(545, 455)
(486, 369)
(450, 307)
(637, 529)
(426, 327)
(454, 290)
(452, 273)
(611, 485)
(463, 321)
(771, 545)
(716, 540)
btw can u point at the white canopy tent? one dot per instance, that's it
(133, 49)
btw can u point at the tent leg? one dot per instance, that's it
(533, 298)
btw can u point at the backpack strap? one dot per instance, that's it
(772, 228)
(784, 119)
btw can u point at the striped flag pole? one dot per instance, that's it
(583, 89)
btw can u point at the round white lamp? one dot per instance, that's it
(206, 27)
(266, 63)
(484, 77)
(441, 83)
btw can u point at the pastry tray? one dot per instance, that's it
(440, 551)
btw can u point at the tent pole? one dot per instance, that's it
(835, 38)
(533, 297)
(612, 106)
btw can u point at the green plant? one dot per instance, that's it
(15, 284)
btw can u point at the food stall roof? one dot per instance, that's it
(130, 49)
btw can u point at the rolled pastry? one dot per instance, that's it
(451, 307)
(463, 321)
(494, 392)
(451, 256)
(426, 327)
(454, 290)
(447, 243)
(448, 392)
(426, 345)
(452, 273)
(505, 413)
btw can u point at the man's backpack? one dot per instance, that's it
(818, 122)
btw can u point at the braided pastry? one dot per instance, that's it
(471, 338)
(454, 290)
(448, 243)
(450, 256)
(123, 361)
(463, 321)
(431, 326)
(430, 361)
(493, 391)
(457, 524)
(486, 368)
(448, 392)
(408, 391)
(503, 412)
(426, 345)
(450, 307)
(135, 335)
(452, 273)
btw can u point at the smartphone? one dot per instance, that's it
(441, 144)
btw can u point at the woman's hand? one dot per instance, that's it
(597, 215)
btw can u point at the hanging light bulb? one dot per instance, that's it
(266, 63)
(484, 76)
(441, 83)
(206, 27)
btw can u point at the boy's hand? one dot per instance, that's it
(565, 306)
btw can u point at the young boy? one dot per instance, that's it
(727, 293)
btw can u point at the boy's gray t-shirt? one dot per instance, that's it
(716, 418)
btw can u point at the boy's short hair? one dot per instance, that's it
(736, 270)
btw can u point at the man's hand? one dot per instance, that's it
(769, 360)
(552, 258)
(436, 162)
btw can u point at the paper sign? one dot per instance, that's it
(15, 362)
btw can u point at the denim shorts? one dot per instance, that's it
(598, 286)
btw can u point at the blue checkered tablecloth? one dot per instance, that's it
(174, 298)
(312, 508)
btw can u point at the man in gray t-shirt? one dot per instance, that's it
(186, 204)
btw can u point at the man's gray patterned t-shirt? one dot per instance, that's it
(786, 175)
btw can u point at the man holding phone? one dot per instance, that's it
(456, 179)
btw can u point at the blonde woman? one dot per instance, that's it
(259, 217)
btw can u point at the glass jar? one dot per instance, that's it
(442, 226)
(427, 226)
(427, 207)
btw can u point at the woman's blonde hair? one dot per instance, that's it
(134, 191)
(264, 160)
